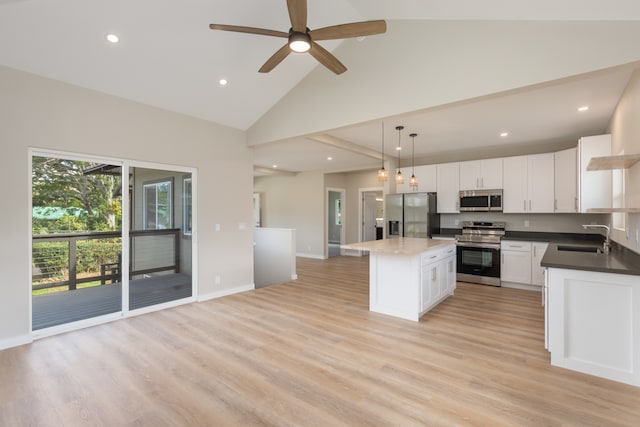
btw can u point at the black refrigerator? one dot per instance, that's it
(412, 215)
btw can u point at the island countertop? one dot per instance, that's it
(398, 246)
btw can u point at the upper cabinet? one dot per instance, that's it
(426, 176)
(594, 186)
(448, 184)
(481, 174)
(566, 184)
(529, 184)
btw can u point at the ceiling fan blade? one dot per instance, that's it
(298, 15)
(326, 58)
(250, 30)
(354, 29)
(275, 59)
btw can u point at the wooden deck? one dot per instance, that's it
(70, 306)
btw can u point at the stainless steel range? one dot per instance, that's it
(478, 252)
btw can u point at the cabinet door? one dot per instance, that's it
(515, 195)
(537, 272)
(450, 273)
(516, 262)
(428, 284)
(470, 175)
(427, 178)
(566, 180)
(491, 174)
(541, 173)
(448, 187)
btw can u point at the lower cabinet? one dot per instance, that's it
(520, 263)
(438, 277)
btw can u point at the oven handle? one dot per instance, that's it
(479, 245)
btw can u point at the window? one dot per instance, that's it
(338, 211)
(158, 205)
(186, 206)
(619, 218)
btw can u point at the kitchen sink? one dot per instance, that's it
(588, 249)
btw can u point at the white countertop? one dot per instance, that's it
(398, 246)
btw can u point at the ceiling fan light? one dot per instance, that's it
(299, 42)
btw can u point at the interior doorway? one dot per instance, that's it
(335, 221)
(372, 214)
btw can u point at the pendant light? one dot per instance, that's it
(382, 172)
(413, 181)
(399, 176)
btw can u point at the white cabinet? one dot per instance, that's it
(594, 187)
(481, 174)
(529, 184)
(448, 187)
(566, 180)
(521, 262)
(516, 262)
(537, 272)
(426, 176)
(438, 277)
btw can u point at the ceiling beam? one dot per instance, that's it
(345, 145)
(272, 171)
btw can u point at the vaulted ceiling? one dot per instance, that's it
(168, 57)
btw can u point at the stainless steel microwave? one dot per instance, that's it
(481, 201)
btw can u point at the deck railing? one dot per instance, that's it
(151, 250)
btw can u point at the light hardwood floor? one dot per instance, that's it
(309, 352)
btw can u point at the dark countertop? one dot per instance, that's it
(619, 261)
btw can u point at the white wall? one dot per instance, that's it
(296, 202)
(441, 62)
(625, 136)
(42, 113)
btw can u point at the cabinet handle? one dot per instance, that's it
(555, 204)
(529, 204)
(481, 182)
(575, 204)
(433, 274)
(534, 251)
(477, 182)
(502, 258)
(524, 205)
(433, 256)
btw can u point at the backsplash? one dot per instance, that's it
(561, 223)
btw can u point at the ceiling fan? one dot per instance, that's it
(301, 39)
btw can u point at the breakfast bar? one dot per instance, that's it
(408, 276)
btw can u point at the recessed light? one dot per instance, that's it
(329, 158)
(504, 134)
(583, 108)
(275, 166)
(398, 148)
(113, 38)
(223, 82)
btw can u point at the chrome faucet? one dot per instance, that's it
(607, 245)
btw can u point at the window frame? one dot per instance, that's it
(145, 213)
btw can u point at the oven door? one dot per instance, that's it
(478, 263)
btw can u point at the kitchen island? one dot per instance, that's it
(408, 276)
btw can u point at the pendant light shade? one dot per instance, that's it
(383, 175)
(413, 182)
(399, 176)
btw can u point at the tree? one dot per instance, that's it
(68, 183)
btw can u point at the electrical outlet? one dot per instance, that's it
(217, 227)
(526, 222)
(217, 280)
(242, 226)
(637, 235)
(457, 222)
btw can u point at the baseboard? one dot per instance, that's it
(313, 256)
(522, 286)
(225, 292)
(15, 341)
